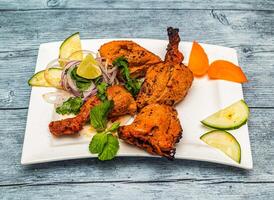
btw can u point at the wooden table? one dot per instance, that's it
(247, 25)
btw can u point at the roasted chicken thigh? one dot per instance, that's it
(155, 129)
(139, 58)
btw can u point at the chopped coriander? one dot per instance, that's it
(131, 84)
(81, 83)
(101, 90)
(71, 106)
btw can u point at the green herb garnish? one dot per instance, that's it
(71, 106)
(81, 83)
(101, 90)
(98, 115)
(105, 144)
(131, 84)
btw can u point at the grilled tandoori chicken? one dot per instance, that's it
(139, 58)
(155, 129)
(167, 82)
(123, 104)
(123, 101)
(73, 125)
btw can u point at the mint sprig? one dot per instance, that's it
(105, 144)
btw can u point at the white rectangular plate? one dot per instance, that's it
(204, 98)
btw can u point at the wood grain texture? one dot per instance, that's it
(145, 191)
(246, 25)
(138, 4)
(249, 32)
(132, 169)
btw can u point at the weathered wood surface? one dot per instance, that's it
(248, 31)
(247, 25)
(142, 176)
(137, 4)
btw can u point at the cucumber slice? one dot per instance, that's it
(38, 79)
(231, 117)
(53, 77)
(69, 46)
(225, 142)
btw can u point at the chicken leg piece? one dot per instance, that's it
(123, 104)
(167, 82)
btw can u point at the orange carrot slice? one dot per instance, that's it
(221, 69)
(198, 60)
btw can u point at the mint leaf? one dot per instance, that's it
(81, 83)
(97, 143)
(101, 90)
(131, 84)
(114, 127)
(71, 106)
(111, 148)
(98, 115)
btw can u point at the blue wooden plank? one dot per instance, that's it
(139, 4)
(248, 32)
(146, 191)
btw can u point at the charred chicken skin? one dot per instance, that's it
(123, 104)
(139, 58)
(73, 125)
(167, 82)
(155, 129)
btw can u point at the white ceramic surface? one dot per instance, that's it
(205, 97)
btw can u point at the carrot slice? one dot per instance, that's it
(198, 61)
(221, 69)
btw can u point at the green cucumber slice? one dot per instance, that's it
(53, 77)
(225, 142)
(70, 45)
(231, 117)
(38, 79)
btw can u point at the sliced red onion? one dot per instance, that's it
(89, 90)
(113, 76)
(72, 86)
(91, 93)
(112, 69)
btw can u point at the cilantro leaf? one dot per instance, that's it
(82, 86)
(98, 142)
(131, 84)
(81, 83)
(76, 77)
(110, 149)
(98, 115)
(71, 106)
(101, 90)
(114, 127)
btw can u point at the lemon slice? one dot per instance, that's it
(89, 68)
(68, 47)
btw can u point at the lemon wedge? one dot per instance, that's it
(89, 68)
